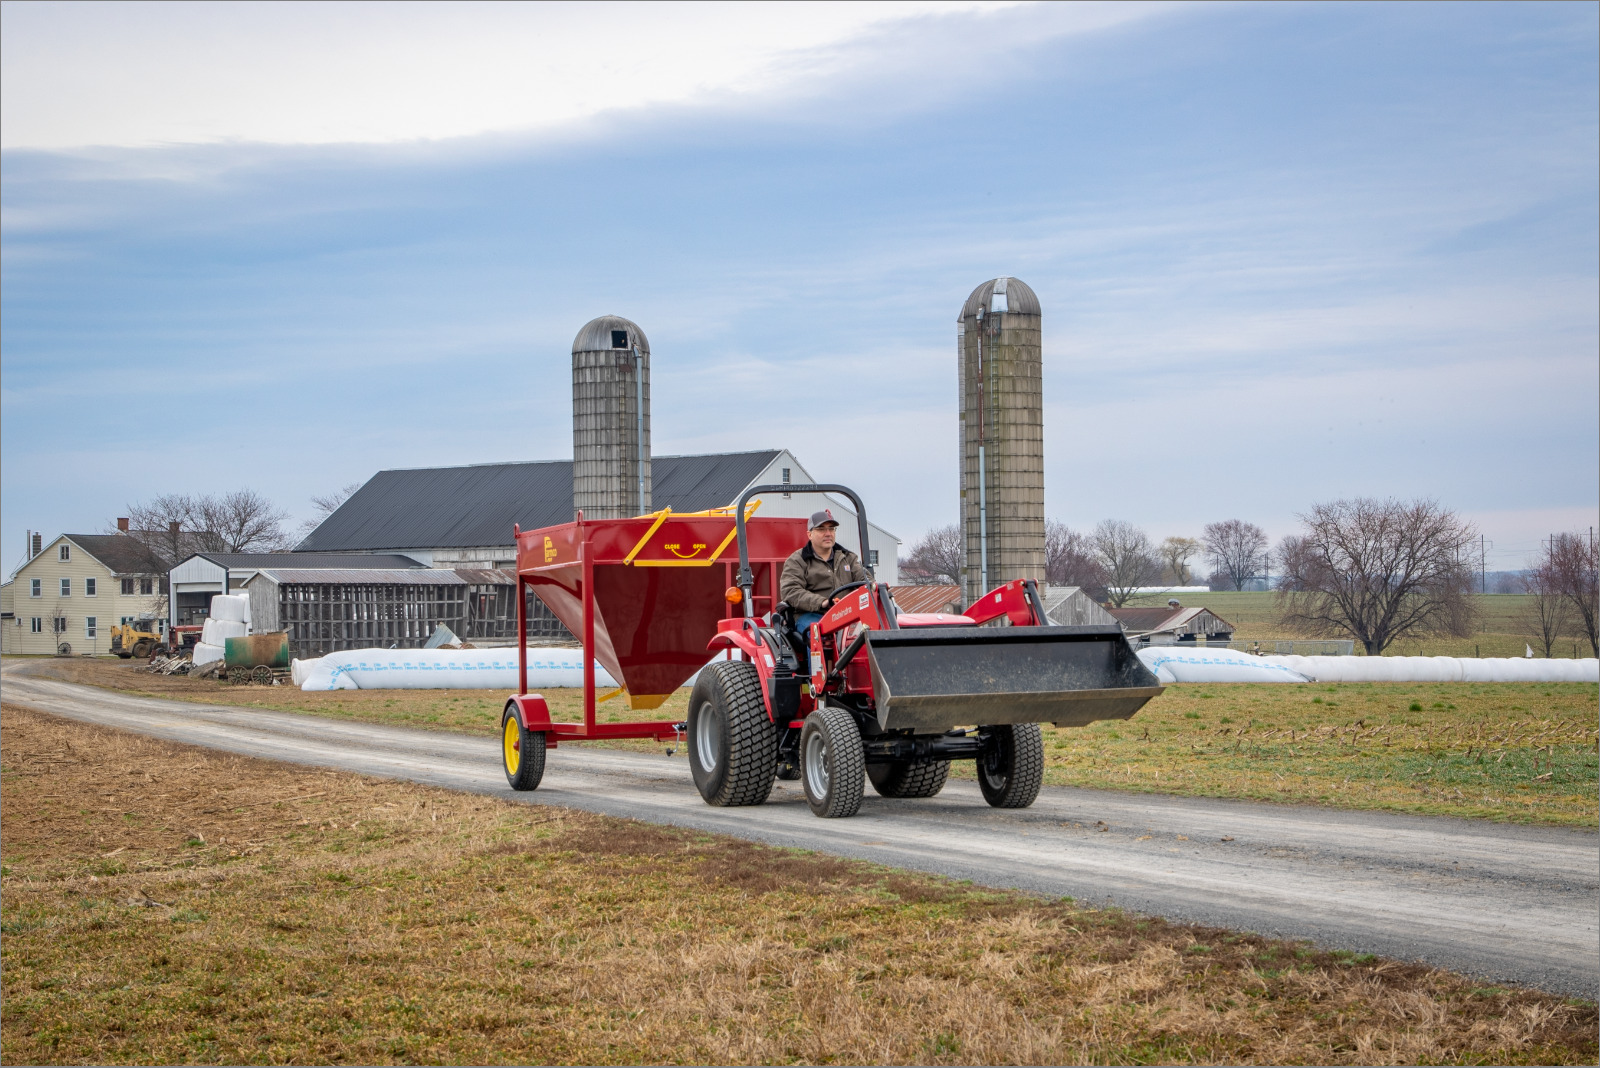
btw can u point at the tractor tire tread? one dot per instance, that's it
(1027, 768)
(752, 740)
(846, 781)
(909, 778)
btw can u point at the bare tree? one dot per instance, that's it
(58, 629)
(170, 526)
(1237, 549)
(1378, 571)
(1070, 560)
(176, 525)
(1176, 554)
(325, 505)
(1547, 616)
(1125, 554)
(1571, 562)
(936, 560)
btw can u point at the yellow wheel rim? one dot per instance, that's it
(512, 741)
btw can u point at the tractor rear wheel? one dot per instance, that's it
(732, 743)
(523, 751)
(1011, 767)
(832, 763)
(909, 778)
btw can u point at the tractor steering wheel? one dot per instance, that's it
(837, 590)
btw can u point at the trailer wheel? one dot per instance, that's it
(523, 751)
(1011, 767)
(909, 778)
(732, 742)
(832, 763)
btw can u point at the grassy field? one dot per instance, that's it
(1503, 751)
(1501, 631)
(166, 904)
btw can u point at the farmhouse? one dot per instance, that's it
(71, 592)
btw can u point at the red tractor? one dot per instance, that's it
(871, 693)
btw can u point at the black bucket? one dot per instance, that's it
(930, 679)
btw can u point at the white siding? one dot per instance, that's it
(884, 543)
(109, 606)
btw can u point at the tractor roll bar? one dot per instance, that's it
(747, 578)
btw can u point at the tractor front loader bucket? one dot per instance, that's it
(936, 678)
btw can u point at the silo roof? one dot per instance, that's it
(596, 335)
(1020, 298)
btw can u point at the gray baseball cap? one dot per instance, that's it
(821, 519)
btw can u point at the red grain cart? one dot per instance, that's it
(871, 693)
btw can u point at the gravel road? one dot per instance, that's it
(1507, 903)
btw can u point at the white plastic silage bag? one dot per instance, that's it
(1175, 664)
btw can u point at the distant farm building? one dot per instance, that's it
(1173, 623)
(448, 517)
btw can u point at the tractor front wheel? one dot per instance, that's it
(832, 763)
(909, 778)
(523, 751)
(1011, 766)
(732, 743)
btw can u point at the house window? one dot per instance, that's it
(36, 588)
(146, 586)
(66, 587)
(786, 481)
(61, 624)
(89, 629)
(66, 551)
(38, 625)
(127, 585)
(873, 553)
(89, 587)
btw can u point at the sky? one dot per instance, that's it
(1286, 253)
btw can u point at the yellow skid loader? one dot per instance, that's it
(137, 637)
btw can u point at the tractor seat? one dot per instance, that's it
(783, 616)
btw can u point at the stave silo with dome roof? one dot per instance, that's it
(611, 419)
(999, 353)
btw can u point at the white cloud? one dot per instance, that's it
(134, 74)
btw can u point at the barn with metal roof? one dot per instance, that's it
(451, 517)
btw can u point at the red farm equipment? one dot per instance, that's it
(871, 693)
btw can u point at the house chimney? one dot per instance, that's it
(35, 544)
(173, 526)
(122, 525)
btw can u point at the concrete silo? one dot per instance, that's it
(611, 419)
(1000, 365)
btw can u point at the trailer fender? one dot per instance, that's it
(535, 715)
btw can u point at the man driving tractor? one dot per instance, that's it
(816, 569)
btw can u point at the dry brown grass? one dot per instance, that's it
(164, 904)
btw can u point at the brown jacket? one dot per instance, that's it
(808, 579)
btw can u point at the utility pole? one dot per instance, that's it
(983, 486)
(1483, 568)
